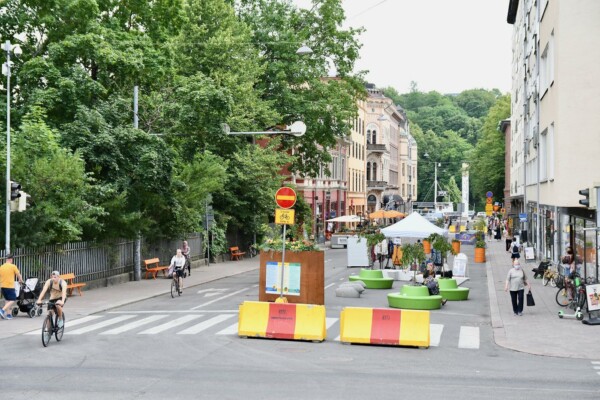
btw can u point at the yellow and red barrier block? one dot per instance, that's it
(282, 321)
(384, 326)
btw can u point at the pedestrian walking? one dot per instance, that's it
(515, 250)
(185, 250)
(516, 280)
(9, 273)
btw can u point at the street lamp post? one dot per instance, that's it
(7, 47)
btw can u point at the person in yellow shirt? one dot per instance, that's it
(8, 273)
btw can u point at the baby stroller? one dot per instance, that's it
(28, 294)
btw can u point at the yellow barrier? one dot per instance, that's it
(385, 326)
(282, 321)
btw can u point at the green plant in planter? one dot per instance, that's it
(480, 244)
(413, 255)
(479, 225)
(442, 245)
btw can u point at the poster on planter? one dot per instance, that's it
(291, 278)
(593, 297)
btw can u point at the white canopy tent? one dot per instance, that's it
(345, 218)
(413, 226)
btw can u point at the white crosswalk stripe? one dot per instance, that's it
(99, 325)
(435, 334)
(230, 330)
(170, 324)
(205, 324)
(73, 323)
(134, 324)
(469, 337)
(220, 324)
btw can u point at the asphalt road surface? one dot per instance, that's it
(188, 348)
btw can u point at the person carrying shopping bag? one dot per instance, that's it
(516, 280)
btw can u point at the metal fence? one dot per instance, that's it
(91, 261)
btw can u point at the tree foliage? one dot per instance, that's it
(198, 64)
(448, 128)
(488, 157)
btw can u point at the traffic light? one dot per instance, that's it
(15, 190)
(586, 201)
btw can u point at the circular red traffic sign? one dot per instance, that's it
(285, 197)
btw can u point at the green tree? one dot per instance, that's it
(61, 206)
(488, 157)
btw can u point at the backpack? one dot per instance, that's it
(60, 284)
(515, 248)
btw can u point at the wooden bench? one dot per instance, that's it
(236, 254)
(153, 268)
(72, 285)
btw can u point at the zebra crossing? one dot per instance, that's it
(225, 324)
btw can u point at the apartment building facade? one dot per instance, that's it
(555, 140)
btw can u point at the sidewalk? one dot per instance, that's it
(539, 331)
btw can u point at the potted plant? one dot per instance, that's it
(413, 255)
(480, 250)
(441, 245)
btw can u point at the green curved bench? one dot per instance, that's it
(414, 298)
(450, 290)
(373, 279)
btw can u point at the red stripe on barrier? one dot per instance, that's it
(385, 326)
(282, 321)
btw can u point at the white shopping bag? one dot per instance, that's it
(17, 288)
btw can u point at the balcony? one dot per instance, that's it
(376, 148)
(376, 185)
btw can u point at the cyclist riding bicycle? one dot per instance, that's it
(58, 294)
(177, 265)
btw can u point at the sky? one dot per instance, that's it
(443, 45)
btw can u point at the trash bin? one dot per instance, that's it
(459, 268)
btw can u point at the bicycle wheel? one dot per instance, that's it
(179, 291)
(545, 280)
(173, 287)
(47, 330)
(552, 282)
(562, 298)
(59, 331)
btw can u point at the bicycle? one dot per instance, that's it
(176, 282)
(50, 326)
(550, 277)
(572, 295)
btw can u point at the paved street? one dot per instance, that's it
(133, 340)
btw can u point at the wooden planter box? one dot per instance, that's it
(312, 276)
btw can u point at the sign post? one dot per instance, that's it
(285, 198)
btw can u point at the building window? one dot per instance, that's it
(543, 153)
(368, 171)
(374, 171)
(547, 65)
(550, 153)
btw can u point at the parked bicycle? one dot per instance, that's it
(51, 324)
(572, 295)
(550, 277)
